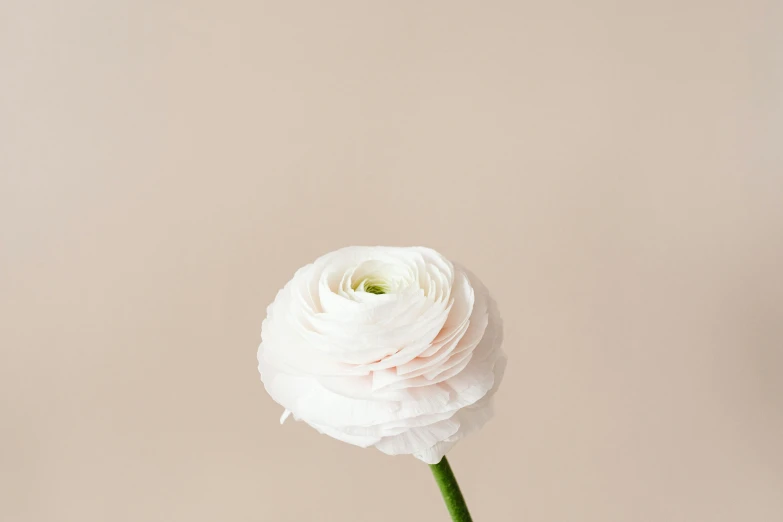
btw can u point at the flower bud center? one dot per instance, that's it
(375, 289)
(372, 286)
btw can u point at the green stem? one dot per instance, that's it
(449, 488)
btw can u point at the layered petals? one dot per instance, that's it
(396, 348)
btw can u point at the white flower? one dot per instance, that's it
(396, 348)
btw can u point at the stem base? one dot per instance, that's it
(449, 488)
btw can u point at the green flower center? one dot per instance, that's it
(375, 289)
(372, 285)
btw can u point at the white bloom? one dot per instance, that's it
(396, 348)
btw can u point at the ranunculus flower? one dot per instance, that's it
(396, 348)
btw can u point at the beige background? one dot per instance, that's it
(613, 171)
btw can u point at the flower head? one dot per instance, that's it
(391, 347)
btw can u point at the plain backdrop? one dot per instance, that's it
(612, 170)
